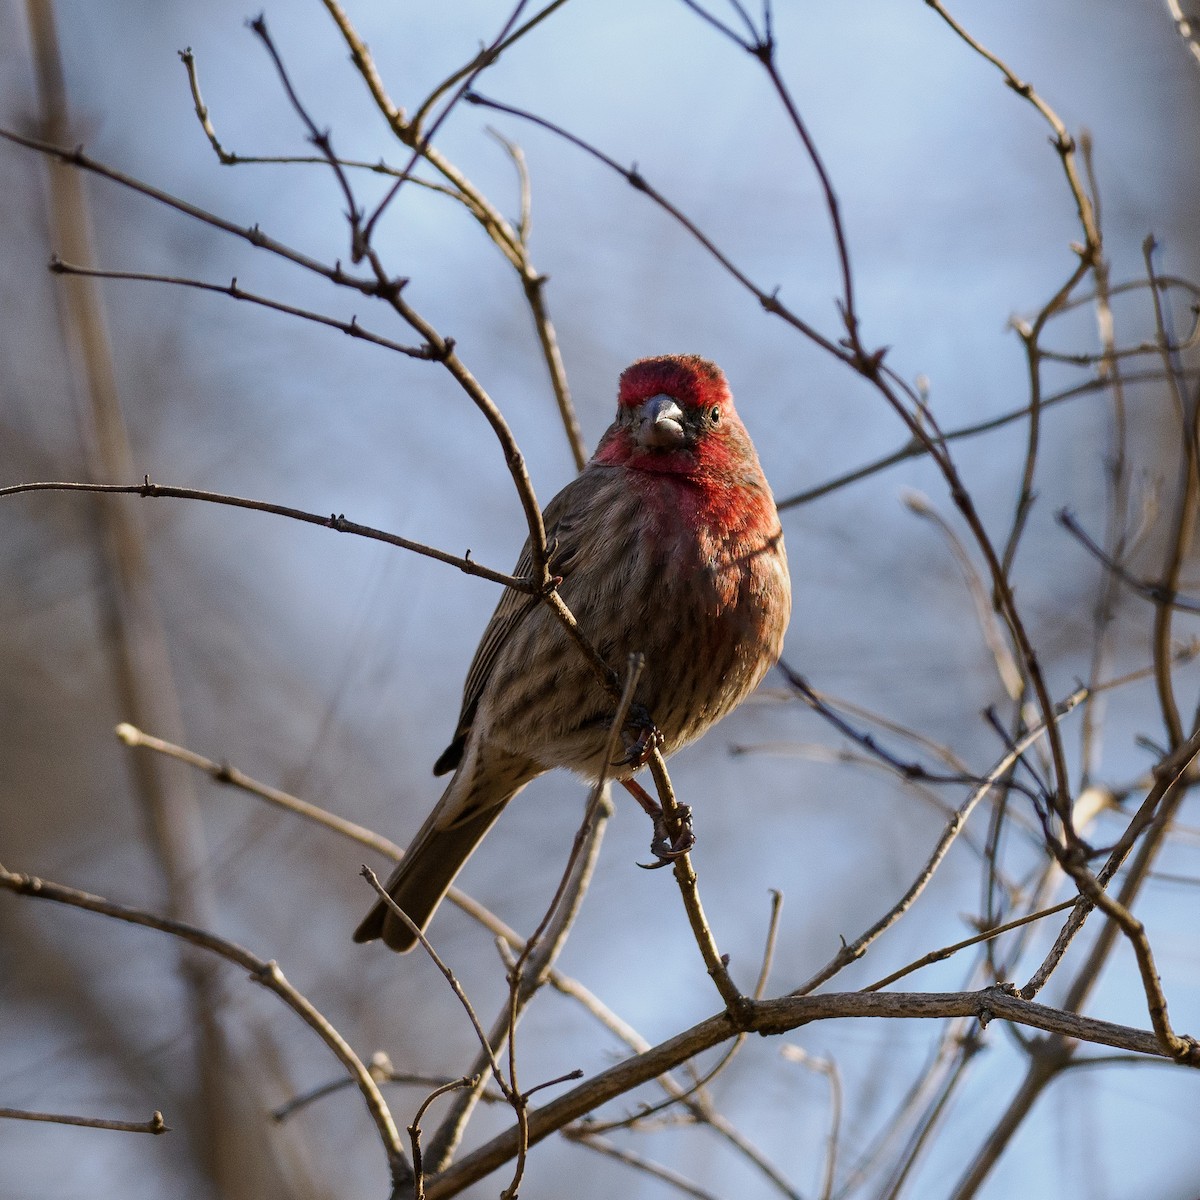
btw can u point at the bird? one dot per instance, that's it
(668, 544)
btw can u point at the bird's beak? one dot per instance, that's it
(659, 424)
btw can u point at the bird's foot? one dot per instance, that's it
(667, 847)
(645, 740)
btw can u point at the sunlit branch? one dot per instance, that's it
(336, 522)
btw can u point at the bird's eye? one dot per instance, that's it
(715, 416)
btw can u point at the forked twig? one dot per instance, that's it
(781, 1016)
(852, 951)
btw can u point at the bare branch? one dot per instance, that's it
(1169, 776)
(351, 328)
(715, 963)
(917, 448)
(261, 971)
(223, 772)
(414, 1130)
(827, 1067)
(1157, 593)
(449, 975)
(252, 234)
(901, 398)
(780, 1016)
(946, 952)
(485, 58)
(156, 1124)
(854, 950)
(644, 1166)
(336, 522)
(769, 300)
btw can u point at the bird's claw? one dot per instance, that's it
(665, 848)
(639, 749)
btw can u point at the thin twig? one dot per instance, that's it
(420, 138)
(383, 1072)
(134, 641)
(905, 768)
(1045, 1064)
(1169, 774)
(253, 234)
(351, 328)
(485, 58)
(902, 399)
(528, 972)
(320, 138)
(674, 1097)
(337, 522)
(827, 1067)
(1152, 590)
(644, 1166)
(964, 1047)
(945, 952)
(852, 951)
(447, 973)
(224, 773)
(414, 1129)
(1006, 667)
(932, 1077)
(534, 971)
(383, 286)
(1180, 1048)
(500, 231)
(1062, 141)
(769, 300)
(1184, 516)
(156, 1124)
(916, 448)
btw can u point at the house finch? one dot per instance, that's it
(667, 543)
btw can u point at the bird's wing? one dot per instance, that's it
(559, 518)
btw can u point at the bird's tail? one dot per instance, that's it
(430, 865)
(422, 879)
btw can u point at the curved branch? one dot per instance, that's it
(264, 972)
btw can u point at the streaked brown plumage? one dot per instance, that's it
(667, 543)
